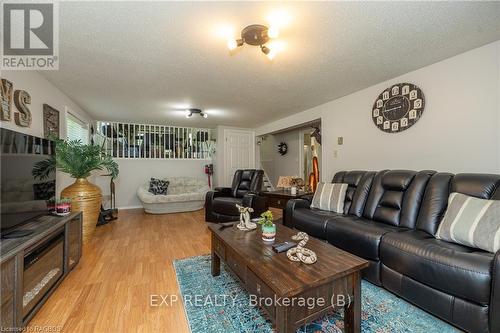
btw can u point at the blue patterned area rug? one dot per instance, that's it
(220, 304)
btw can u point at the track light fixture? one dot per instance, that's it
(189, 113)
(256, 35)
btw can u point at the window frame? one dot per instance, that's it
(85, 124)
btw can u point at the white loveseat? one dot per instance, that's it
(184, 194)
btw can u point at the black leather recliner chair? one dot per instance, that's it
(220, 205)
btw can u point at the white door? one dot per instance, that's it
(239, 152)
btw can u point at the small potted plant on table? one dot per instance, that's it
(63, 206)
(268, 226)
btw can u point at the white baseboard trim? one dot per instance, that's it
(129, 207)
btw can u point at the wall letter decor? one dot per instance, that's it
(23, 116)
(6, 99)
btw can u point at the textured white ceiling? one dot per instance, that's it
(139, 61)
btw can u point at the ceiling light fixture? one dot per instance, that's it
(256, 35)
(189, 113)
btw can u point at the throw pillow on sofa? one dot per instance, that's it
(330, 196)
(472, 222)
(158, 186)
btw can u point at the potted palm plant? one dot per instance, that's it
(79, 160)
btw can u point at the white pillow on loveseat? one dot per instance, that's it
(472, 222)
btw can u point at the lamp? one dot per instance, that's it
(189, 113)
(232, 44)
(256, 35)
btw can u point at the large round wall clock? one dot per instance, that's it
(398, 107)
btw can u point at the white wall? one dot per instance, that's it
(136, 172)
(42, 92)
(277, 165)
(458, 131)
(288, 164)
(267, 154)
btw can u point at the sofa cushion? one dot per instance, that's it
(435, 202)
(479, 185)
(454, 269)
(395, 197)
(357, 235)
(245, 181)
(330, 197)
(150, 198)
(312, 221)
(359, 183)
(226, 205)
(158, 186)
(471, 222)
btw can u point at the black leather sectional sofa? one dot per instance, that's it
(391, 220)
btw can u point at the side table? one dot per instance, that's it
(279, 198)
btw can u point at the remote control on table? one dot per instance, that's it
(282, 247)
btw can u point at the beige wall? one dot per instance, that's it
(458, 132)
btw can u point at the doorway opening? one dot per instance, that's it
(303, 147)
(311, 151)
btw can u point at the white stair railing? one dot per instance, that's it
(267, 184)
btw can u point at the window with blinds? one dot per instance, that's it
(128, 140)
(76, 129)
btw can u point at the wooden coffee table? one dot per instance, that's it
(278, 285)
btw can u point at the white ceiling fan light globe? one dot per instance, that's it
(205, 115)
(187, 113)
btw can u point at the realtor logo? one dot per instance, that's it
(30, 36)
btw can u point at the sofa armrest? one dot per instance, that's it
(209, 199)
(223, 189)
(291, 205)
(495, 295)
(257, 202)
(144, 195)
(308, 197)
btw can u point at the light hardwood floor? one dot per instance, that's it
(127, 261)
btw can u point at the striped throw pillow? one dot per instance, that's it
(330, 197)
(472, 222)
